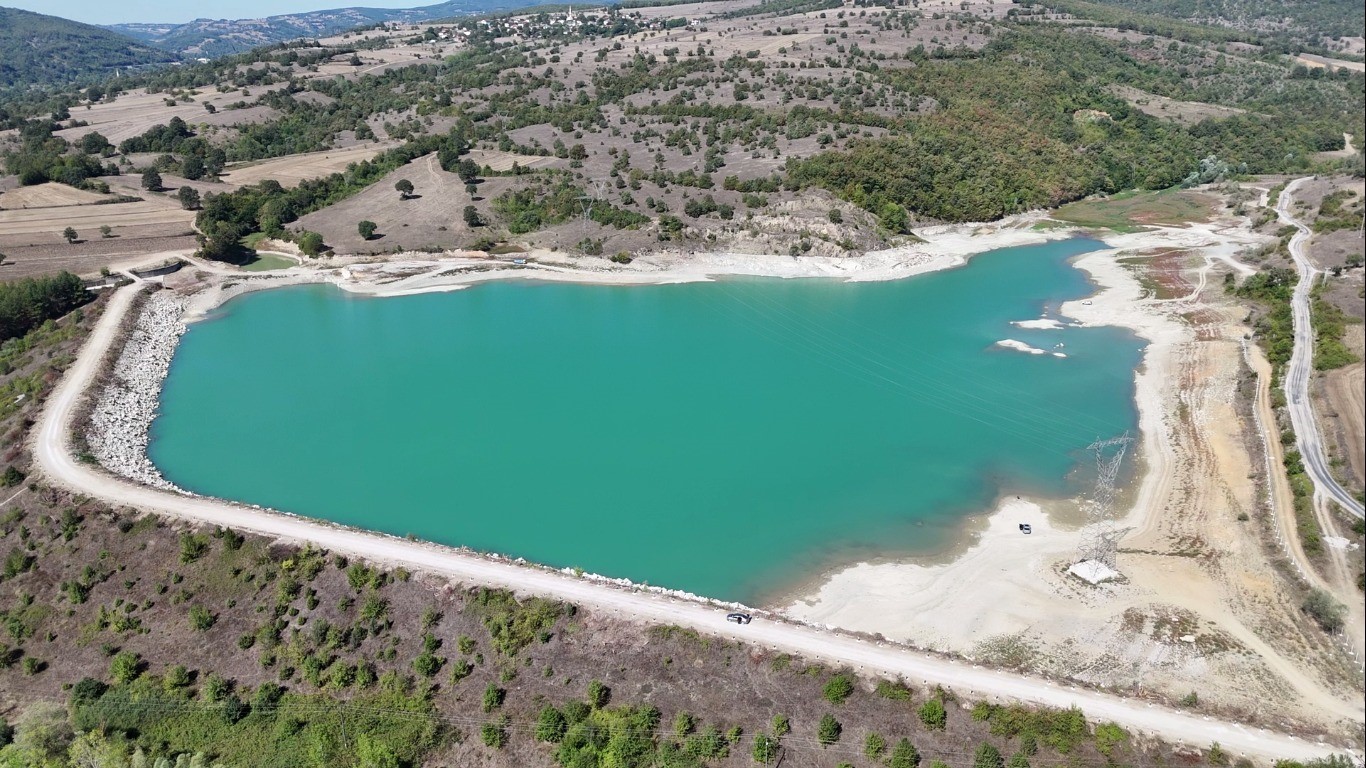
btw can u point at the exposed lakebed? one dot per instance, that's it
(725, 438)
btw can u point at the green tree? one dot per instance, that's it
(200, 618)
(176, 677)
(70, 234)
(828, 731)
(405, 189)
(493, 697)
(125, 667)
(551, 725)
(933, 714)
(904, 755)
(781, 726)
(151, 180)
(598, 694)
(366, 228)
(373, 753)
(188, 197)
(988, 757)
(192, 167)
(765, 749)
(472, 218)
(874, 745)
(839, 688)
(106, 231)
(43, 731)
(311, 243)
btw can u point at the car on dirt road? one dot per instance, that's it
(739, 618)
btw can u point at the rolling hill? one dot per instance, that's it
(219, 37)
(36, 49)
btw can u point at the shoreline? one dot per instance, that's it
(850, 585)
(943, 247)
(872, 658)
(1004, 583)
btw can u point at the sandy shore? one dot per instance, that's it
(1006, 582)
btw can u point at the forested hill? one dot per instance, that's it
(45, 50)
(1306, 20)
(219, 37)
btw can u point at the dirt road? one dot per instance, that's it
(872, 658)
(1307, 436)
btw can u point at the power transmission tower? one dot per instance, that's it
(1100, 536)
(591, 197)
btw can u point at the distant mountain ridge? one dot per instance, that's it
(218, 37)
(36, 49)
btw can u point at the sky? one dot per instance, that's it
(104, 12)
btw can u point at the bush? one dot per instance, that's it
(933, 715)
(200, 618)
(904, 755)
(874, 745)
(839, 688)
(765, 749)
(1324, 610)
(551, 725)
(494, 734)
(598, 694)
(125, 667)
(988, 757)
(493, 697)
(828, 732)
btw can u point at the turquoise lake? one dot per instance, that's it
(728, 438)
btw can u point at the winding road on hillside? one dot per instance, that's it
(1298, 373)
(53, 454)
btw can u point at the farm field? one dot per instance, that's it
(49, 195)
(291, 170)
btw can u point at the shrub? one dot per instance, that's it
(839, 688)
(1324, 610)
(192, 547)
(493, 697)
(598, 694)
(874, 745)
(904, 755)
(988, 757)
(366, 228)
(828, 732)
(125, 667)
(494, 733)
(551, 725)
(200, 618)
(933, 715)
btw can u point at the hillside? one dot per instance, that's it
(219, 37)
(1308, 20)
(42, 50)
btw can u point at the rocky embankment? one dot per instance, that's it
(117, 435)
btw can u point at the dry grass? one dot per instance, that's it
(1183, 112)
(291, 170)
(1323, 62)
(49, 195)
(131, 114)
(87, 219)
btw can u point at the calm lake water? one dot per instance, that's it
(726, 438)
